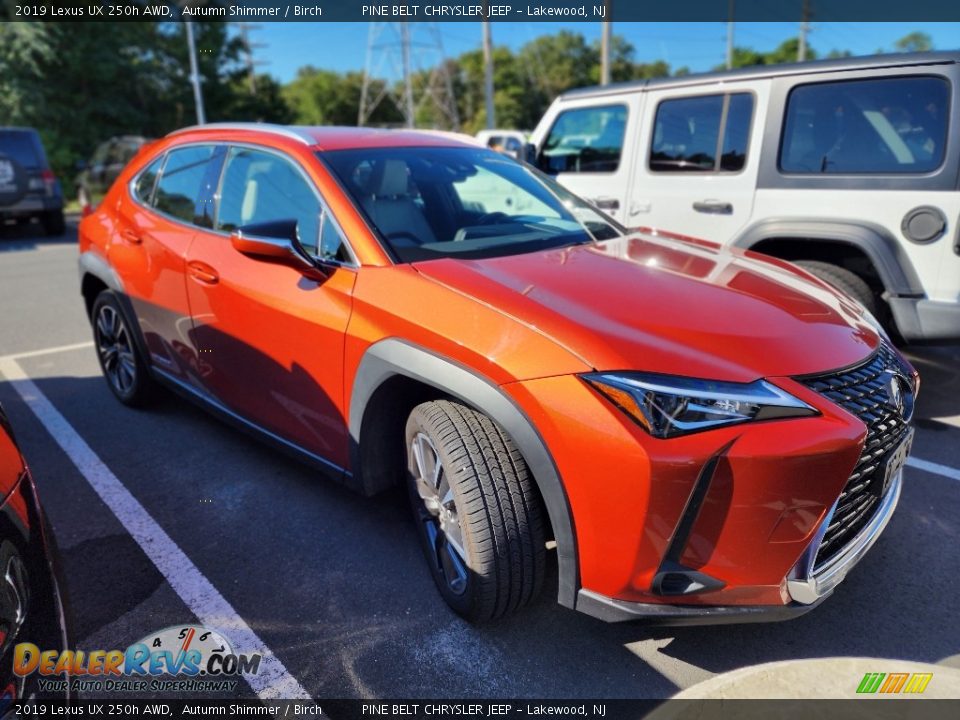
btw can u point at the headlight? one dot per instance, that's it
(667, 406)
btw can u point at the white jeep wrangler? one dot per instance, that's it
(848, 167)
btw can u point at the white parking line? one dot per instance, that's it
(204, 600)
(935, 468)
(47, 351)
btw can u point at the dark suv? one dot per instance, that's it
(28, 187)
(97, 175)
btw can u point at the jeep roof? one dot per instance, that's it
(869, 62)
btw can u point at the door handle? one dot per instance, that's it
(606, 203)
(131, 236)
(714, 207)
(203, 273)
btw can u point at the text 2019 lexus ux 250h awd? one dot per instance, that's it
(704, 435)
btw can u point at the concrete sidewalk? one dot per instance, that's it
(824, 678)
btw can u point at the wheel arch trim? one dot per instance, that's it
(890, 260)
(391, 357)
(92, 263)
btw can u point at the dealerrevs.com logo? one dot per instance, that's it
(188, 658)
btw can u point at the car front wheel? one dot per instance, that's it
(477, 510)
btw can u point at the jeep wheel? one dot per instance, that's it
(477, 511)
(123, 368)
(844, 280)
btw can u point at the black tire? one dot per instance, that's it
(844, 280)
(53, 223)
(495, 506)
(124, 369)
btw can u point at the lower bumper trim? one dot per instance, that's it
(612, 610)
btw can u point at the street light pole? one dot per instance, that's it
(195, 74)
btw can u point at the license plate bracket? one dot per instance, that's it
(895, 461)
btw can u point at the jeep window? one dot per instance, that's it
(435, 202)
(182, 180)
(143, 187)
(709, 133)
(889, 125)
(584, 140)
(21, 146)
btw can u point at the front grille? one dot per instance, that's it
(862, 390)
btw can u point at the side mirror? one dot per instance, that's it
(529, 154)
(279, 242)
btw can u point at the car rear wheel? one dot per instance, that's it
(844, 280)
(477, 510)
(123, 367)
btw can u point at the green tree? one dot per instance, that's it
(914, 42)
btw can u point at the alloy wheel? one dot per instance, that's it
(438, 512)
(115, 349)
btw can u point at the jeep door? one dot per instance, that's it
(698, 159)
(589, 145)
(269, 340)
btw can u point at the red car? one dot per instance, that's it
(696, 434)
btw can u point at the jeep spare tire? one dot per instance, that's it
(13, 181)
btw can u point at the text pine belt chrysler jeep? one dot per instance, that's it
(849, 167)
(696, 434)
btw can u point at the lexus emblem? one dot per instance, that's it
(899, 395)
(896, 394)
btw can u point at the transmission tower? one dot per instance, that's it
(245, 28)
(406, 66)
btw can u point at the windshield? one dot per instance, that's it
(436, 202)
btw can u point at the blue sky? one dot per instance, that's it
(698, 45)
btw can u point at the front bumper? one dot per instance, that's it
(809, 586)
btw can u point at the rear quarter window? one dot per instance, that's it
(885, 126)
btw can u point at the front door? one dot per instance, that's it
(270, 341)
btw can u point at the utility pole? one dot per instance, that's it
(407, 80)
(605, 52)
(730, 35)
(804, 29)
(488, 75)
(249, 46)
(195, 74)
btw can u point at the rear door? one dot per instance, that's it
(270, 341)
(589, 147)
(157, 222)
(700, 150)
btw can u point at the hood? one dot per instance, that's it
(656, 304)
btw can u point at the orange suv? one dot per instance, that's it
(697, 434)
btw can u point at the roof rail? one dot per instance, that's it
(282, 130)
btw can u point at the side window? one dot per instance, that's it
(888, 125)
(143, 188)
(261, 187)
(585, 140)
(182, 180)
(687, 134)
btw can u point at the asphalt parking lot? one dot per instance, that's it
(334, 585)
